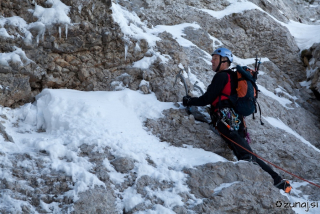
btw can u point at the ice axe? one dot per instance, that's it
(182, 80)
(196, 86)
(201, 118)
(185, 87)
(191, 109)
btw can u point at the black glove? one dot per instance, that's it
(186, 100)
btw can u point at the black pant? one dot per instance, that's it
(240, 153)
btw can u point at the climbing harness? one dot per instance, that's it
(230, 118)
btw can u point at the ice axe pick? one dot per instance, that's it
(183, 81)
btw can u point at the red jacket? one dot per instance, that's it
(223, 82)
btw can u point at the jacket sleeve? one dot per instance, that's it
(214, 90)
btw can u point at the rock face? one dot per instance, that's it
(311, 59)
(39, 186)
(84, 56)
(179, 128)
(247, 35)
(92, 52)
(96, 201)
(211, 181)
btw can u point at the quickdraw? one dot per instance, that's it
(230, 119)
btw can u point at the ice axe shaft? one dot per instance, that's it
(256, 64)
(183, 81)
(196, 86)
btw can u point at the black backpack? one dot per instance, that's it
(247, 91)
(245, 100)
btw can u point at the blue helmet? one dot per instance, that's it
(224, 52)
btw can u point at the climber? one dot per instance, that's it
(224, 84)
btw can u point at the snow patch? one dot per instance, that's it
(217, 190)
(303, 34)
(145, 62)
(71, 118)
(38, 27)
(248, 61)
(177, 32)
(215, 42)
(16, 21)
(306, 84)
(283, 101)
(4, 33)
(17, 56)
(234, 7)
(281, 92)
(310, 72)
(58, 13)
(132, 26)
(279, 124)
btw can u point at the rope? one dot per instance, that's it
(270, 162)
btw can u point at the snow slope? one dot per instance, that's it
(114, 119)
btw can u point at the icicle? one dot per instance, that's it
(66, 30)
(125, 51)
(59, 32)
(43, 34)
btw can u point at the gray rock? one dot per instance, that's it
(83, 74)
(96, 201)
(242, 186)
(313, 69)
(5, 135)
(245, 34)
(178, 128)
(123, 164)
(15, 88)
(146, 181)
(180, 210)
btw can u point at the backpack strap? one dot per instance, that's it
(218, 104)
(256, 102)
(260, 113)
